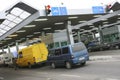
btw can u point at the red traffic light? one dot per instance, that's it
(47, 7)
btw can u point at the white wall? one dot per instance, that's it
(62, 36)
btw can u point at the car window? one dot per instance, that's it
(65, 50)
(58, 52)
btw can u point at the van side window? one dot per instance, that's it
(51, 52)
(58, 52)
(65, 50)
(20, 55)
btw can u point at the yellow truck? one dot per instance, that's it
(32, 55)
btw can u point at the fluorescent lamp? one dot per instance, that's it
(7, 38)
(105, 22)
(119, 18)
(29, 26)
(91, 26)
(44, 19)
(103, 19)
(59, 23)
(46, 28)
(29, 35)
(74, 17)
(94, 29)
(35, 38)
(119, 14)
(48, 33)
(58, 30)
(20, 31)
(22, 38)
(36, 32)
(18, 40)
(82, 29)
(14, 35)
(97, 16)
(82, 21)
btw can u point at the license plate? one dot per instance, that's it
(82, 58)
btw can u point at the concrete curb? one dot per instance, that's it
(94, 58)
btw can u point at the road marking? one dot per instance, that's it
(49, 79)
(108, 79)
(1, 78)
(44, 73)
(69, 75)
(93, 58)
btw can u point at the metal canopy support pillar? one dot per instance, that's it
(9, 49)
(94, 37)
(69, 32)
(27, 41)
(78, 34)
(43, 35)
(17, 46)
(2, 49)
(100, 33)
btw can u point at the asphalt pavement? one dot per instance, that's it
(99, 69)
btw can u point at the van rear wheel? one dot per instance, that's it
(68, 65)
(53, 65)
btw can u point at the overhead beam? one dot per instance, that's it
(97, 19)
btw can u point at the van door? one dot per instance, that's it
(58, 56)
(66, 56)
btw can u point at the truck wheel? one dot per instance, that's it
(29, 66)
(68, 65)
(53, 65)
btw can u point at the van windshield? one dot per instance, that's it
(78, 47)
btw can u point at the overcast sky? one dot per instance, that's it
(69, 3)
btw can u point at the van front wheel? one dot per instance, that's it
(83, 63)
(68, 65)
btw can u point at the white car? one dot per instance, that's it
(6, 59)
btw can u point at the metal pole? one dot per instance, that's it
(27, 41)
(17, 46)
(69, 32)
(79, 38)
(9, 49)
(100, 33)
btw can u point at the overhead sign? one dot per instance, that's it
(97, 9)
(63, 10)
(55, 11)
(58, 11)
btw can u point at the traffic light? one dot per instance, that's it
(48, 9)
(113, 7)
(108, 7)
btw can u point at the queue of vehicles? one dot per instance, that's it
(38, 53)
